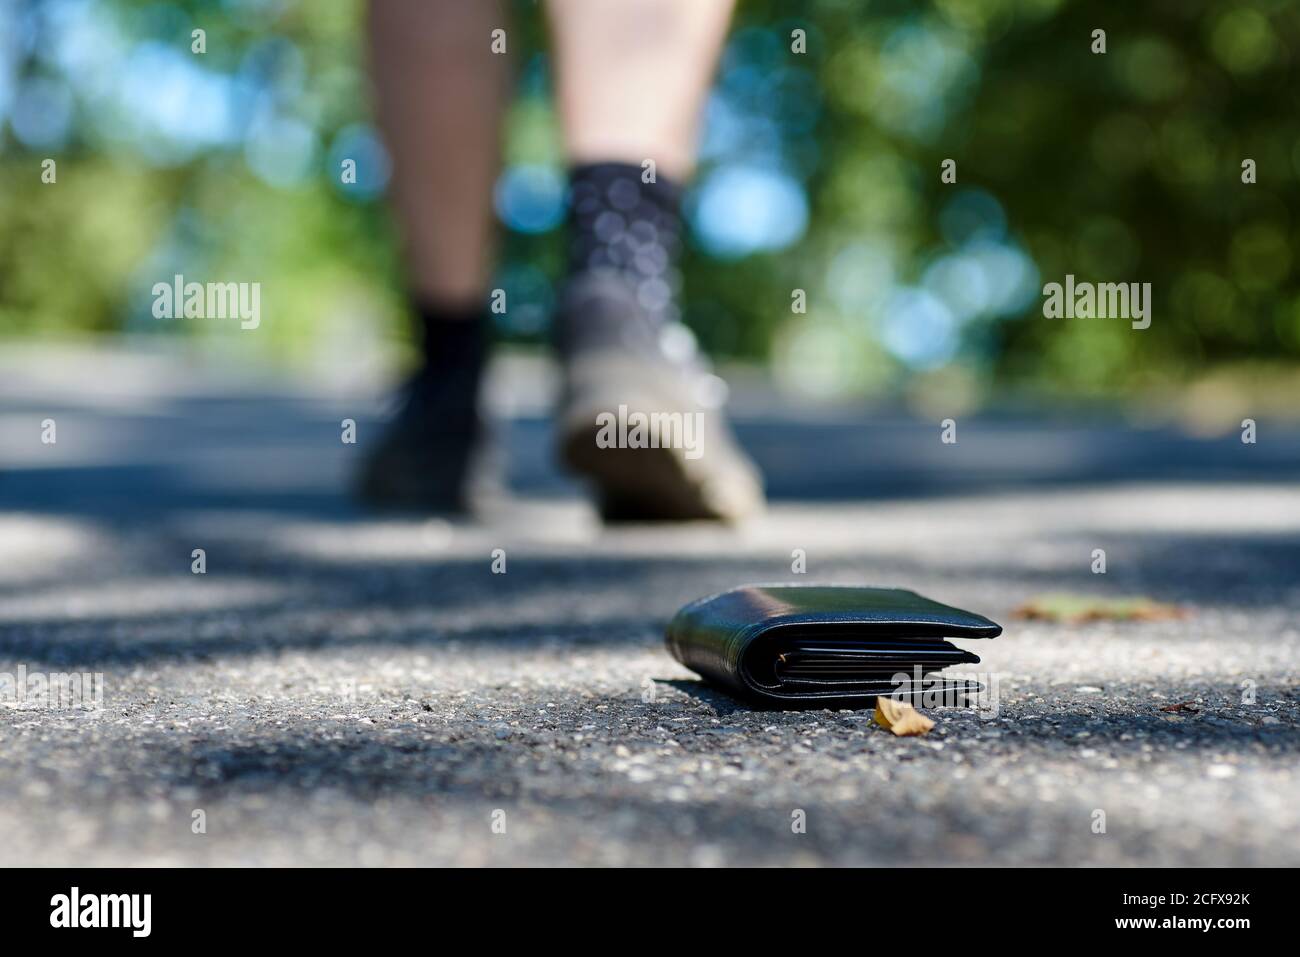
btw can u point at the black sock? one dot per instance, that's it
(452, 337)
(454, 342)
(624, 246)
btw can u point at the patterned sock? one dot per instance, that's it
(624, 246)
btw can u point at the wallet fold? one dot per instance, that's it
(801, 645)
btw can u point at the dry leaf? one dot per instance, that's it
(1191, 707)
(1078, 609)
(901, 718)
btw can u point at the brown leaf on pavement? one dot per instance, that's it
(1079, 609)
(901, 718)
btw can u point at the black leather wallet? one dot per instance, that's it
(801, 645)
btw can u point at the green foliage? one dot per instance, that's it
(1117, 167)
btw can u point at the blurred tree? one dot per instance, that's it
(823, 145)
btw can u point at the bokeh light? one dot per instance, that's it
(818, 170)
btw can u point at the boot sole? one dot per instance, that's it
(649, 485)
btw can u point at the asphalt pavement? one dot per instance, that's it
(342, 687)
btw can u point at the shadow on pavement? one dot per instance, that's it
(285, 455)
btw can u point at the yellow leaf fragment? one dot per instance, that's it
(901, 718)
(1082, 609)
